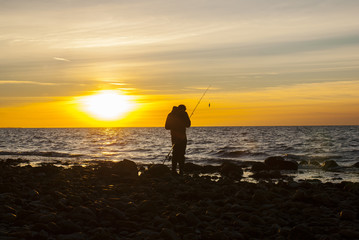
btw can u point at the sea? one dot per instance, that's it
(206, 146)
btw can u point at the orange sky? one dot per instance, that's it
(268, 63)
(307, 104)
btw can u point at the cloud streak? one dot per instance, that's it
(26, 82)
(61, 59)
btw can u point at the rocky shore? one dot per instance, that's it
(112, 201)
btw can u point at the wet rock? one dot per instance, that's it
(158, 171)
(329, 165)
(356, 165)
(126, 169)
(279, 163)
(231, 170)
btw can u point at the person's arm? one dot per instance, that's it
(187, 121)
(168, 124)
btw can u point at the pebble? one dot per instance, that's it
(348, 215)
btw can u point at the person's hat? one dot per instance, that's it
(182, 107)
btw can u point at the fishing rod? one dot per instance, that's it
(173, 145)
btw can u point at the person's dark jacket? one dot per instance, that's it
(177, 121)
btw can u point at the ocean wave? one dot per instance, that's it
(40, 154)
(236, 154)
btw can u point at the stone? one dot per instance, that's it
(158, 171)
(73, 236)
(279, 163)
(192, 168)
(348, 215)
(330, 165)
(112, 213)
(32, 194)
(101, 233)
(8, 217)
(68, 226)
(258, 166)
(356, 165)
(300, 232)
(169, 234)
(192, 219)
(147, 206)
(349, 234)
(231, 170)
(260, 196)
(83, 213)
(267, 174)
(314, 163)
(301, 196)
(210, 169)
(126, 169)
(47, 217)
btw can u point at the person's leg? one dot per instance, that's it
(181, 157)
(175, 158)
(174, 164)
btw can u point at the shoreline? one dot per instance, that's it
(112, 202)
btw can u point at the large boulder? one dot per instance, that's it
(279, 163)
(126, 169)
(330, 165)
(158, 171)
(231, 170)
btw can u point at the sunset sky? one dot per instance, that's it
(268, 62)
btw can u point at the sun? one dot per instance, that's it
(106, 105)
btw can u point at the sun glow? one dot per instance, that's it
(107, 105)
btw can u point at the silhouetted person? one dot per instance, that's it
(177, 121)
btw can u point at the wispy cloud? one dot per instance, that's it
(61, 59)
(26, 82)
